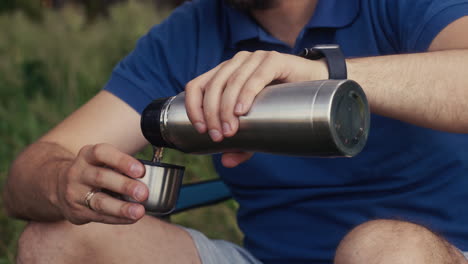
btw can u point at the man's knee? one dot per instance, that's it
(39, 242)
(148, 241)
(53, 242)
(392, 241)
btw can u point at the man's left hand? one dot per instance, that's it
(217, 98)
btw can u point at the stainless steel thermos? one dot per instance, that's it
(318, 118)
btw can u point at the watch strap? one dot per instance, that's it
(334, 57)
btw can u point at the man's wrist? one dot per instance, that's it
(333, 57)
(61, 168)
(319, 70)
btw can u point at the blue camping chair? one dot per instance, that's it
(202, 193)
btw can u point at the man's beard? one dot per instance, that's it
(252, 4)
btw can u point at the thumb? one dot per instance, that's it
(232, 159)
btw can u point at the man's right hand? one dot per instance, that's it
(101, 166)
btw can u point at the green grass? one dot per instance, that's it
(50, 68)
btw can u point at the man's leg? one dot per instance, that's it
(395, 242)
(148, 241)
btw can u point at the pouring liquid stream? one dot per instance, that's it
(157, 154)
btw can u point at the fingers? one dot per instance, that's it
(102, 166)
(216, 99)
(213, 90)
(105, 205)
(110, 180)
(105, 209)
(108, 155)
(231, 160)
(234, 84)
(270, 69)
(194, 91)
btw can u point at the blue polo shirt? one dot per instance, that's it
(297, 209)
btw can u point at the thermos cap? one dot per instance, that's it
(151, 122)
(164, 182)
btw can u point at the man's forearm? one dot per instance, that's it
(425, 89)
(30, 191)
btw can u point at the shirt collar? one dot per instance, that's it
(241, 25)
(334, 13)
(328, 14)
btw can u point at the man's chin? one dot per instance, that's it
(252, 4)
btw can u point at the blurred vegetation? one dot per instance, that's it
(50, 67)
(31, 8)
(92, 9)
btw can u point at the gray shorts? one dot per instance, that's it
(213, 251)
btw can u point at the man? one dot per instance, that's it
(400, 201)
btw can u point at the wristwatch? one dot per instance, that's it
(335, 59)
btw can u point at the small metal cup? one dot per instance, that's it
(164, 182)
